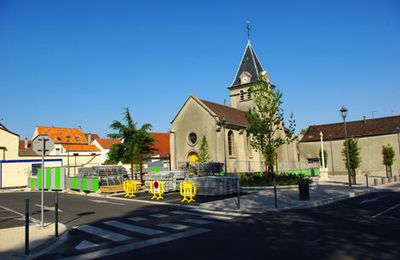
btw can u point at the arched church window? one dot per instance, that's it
(231, 144)
(192, 138)
(248, 94)
(241, 95)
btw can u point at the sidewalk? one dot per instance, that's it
(12, 240)
(334, 189)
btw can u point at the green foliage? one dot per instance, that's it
(354, 153)
(257, 179)
(388, 155)
(203, 152)
(325, 157)
(303, 131)
(135, 141)
(266, 122)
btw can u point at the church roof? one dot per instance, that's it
(361, 128)
(232, 115)
(249, 64)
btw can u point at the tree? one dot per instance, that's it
(135, 141)
(388, 159)
(203, 152)
(325, 157)
(354, 156)
(266, 122)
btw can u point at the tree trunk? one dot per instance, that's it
(131, 167)
(388, 171)
(353, 176)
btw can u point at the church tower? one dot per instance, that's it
(246, 75)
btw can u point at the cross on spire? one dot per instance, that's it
(248, 29)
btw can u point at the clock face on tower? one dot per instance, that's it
(245, 78)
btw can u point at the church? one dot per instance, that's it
(224, 126)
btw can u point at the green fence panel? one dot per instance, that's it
(32, 184)
(75, 183)
(57, 179)
(84, 184)
(48, 179)
(95, 184)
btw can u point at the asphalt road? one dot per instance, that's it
(366, 227)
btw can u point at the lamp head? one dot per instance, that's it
(343, 112)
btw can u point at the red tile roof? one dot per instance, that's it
(161, 143)
(232, 115)
(361, 128)
(59, 134)
(106, 143)
(21, 145)
(80, 147)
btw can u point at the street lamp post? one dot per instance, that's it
(343, 113)
(333, 167)
(398, 141)
(223, 123)
(68, 138)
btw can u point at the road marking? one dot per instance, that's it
(107, 202)
(103, 233)
(197, 221)
(137, 219)
(19, 214)
(85, 245)
(179, 212)
(137, 245)
(173, 226)
(133, 228)
(48, 208)
(159, 215)
(385, 211)
(371, 200)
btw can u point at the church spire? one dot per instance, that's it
(248, 30)
(250, 67)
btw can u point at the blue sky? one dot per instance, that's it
(70, 63)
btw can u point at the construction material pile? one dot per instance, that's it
(171, 179)
(215, 186)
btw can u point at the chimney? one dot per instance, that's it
(89, 138)
(26, 143)
(365, 120)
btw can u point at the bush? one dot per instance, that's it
(258, 179)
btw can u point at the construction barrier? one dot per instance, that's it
(84, 184)
(54, 179)
(157, 188)
(188, 190)
(131, 187)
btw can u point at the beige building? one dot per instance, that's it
(372, 134)
(224, 126)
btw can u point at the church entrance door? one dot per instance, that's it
(193, 157)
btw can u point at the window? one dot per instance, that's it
(231, 145)
(59, 138)
(35, 168)
(57, 151)
(241, 95)
(77, 138)
(248, 94)
(192, 138)
(249, 149)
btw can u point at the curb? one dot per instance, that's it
(313, 204)
(53, 244)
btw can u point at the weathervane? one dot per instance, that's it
(248, 29)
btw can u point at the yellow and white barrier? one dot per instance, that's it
(157, 188)
(131, 187)
(188, 190)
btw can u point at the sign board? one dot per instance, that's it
(156, 186)
(37, 144)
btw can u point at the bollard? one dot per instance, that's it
(366, 179)
(375, 182)
(389, 179)
(276, 200)
(26, 226)
(395, 178)
(56, 214)
(383, 180)
(238, 193)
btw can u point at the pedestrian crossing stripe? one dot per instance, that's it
(197, 221)
(134, 228)
(159, 215)
(173, 226)
(106, 234)
(208, 216)
(137, 219)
